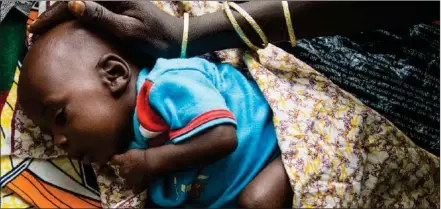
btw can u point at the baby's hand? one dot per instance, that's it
(135, 168)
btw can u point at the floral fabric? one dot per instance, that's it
(336, 151)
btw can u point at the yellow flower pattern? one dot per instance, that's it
(11, 200)
(339, 152)
(336, 151)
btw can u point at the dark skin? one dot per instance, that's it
(143, 23)
(88, 107)
(160, 35)
(76, 102)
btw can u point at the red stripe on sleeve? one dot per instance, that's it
(147, 117)
(201, 119)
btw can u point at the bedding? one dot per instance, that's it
(336, 151)
(395, 72)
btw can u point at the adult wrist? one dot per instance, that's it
(174, 28)
(212, 32)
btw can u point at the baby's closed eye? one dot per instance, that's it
(60, 117)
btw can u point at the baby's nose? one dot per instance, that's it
(60, 140)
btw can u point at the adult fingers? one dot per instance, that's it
(98, 16)
(56, 14)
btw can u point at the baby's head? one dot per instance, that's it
(79, 86)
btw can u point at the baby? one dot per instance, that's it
(196, 134)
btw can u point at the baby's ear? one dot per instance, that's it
(114, 72)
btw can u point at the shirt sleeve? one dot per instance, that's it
(185, 102)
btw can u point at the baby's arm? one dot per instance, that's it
(139, 167)
(202, 129)
(142, 166)
(198, 151)
(186, 104)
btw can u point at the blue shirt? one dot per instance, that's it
(181, 98)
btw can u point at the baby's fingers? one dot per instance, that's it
(136, 184)
(139, 188)
(131, 182)
(117, 160)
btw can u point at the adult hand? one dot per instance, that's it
(130, 21)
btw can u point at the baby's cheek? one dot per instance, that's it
(93, 122)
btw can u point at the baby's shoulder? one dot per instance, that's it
(181, 66)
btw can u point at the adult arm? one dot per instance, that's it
(142, 22)
(310, 19)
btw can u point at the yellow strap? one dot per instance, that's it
(287, 14)
(185, 36)
(251, 21)
(237, 27)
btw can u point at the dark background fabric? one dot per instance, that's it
(12, 36)
(395, 72)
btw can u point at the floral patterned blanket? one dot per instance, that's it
(336, 151)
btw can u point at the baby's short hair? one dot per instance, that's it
(131, 54)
